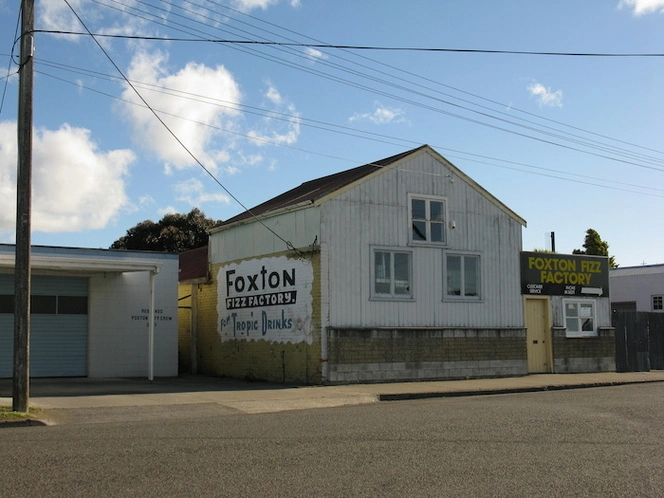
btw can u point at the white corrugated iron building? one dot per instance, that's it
(401, 269)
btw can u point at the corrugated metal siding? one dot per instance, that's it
(376, 214)
(58, 343)
(299, 227)
(6, 344)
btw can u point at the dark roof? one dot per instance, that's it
(193, 264)
(315, 189)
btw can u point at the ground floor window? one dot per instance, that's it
(462, 276)
(580, 318)
(657, 303)
(392, 274)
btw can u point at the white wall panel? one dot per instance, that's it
(118, 341)
(375, 213)
(299, 227)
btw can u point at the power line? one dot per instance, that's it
(596, 146)
(347, 47)
(599, 146)
(289, 245)
(363, 87)
(385, 139)
(9, 65)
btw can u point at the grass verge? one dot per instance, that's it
(6, 413)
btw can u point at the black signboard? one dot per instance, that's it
(552, 274)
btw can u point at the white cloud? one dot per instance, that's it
(545, 96)
(57, 16)
(75, 186)
(281, 128)
(273, 95)
(314, 54)
(380, 115)
(193, 192)
(193, 102)
(247, 5)
(641, 7)
(167, 210)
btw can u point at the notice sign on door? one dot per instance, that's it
(552, 274)
(266, 299)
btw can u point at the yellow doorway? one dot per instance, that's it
(538, 335)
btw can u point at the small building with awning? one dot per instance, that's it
(94, 313)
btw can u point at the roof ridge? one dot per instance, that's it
(318, 187)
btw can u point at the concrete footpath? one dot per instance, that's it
(78, 399)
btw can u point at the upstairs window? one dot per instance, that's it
(392, 274)
(580, 318)
(427, 217)
(657, 303)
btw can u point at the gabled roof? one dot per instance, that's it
(312, 191)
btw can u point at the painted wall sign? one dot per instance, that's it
(564, 274)
(266, 299)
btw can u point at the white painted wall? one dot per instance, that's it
(118, 341)
(376, 213)
(637, 284)
(251, 240)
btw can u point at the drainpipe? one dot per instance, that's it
(153, 274)
(193, 326)
(323, 354)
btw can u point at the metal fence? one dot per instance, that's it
(639, 341)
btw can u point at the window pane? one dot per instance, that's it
(587, 324)
(437, 213)
(382, 272)
(401, 273)
(572, 324)
(419, 210)
(7, 303)
(657, 303)
(44, 305)
(471, 276)
(454, 275)
(437, 230)
(72, 305)
(586, 310)
(571, 310)
(419, 230)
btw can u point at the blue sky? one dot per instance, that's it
(569, 143)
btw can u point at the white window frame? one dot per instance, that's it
(579, 332)
(446, 276)
(392, 295)
(657, 302)
(428, 221)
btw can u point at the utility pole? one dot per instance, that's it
(21, 378)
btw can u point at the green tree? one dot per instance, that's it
(173, 233)
(594, 245)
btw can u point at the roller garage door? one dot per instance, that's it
(58, 326)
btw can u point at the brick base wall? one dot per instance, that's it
(584, 354)
(385, 355)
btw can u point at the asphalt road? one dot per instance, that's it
(605, 441)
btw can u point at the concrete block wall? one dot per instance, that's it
(386, 355)
(584, 354)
